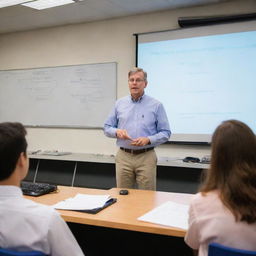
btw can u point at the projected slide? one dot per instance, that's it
(202, 81)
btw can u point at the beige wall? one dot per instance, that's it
(97, 42)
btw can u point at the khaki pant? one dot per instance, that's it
(136, 171)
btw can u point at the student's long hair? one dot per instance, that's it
(233, 169)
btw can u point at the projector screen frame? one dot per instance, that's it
(199, 139)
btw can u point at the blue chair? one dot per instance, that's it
(216, 249)
(8, 252)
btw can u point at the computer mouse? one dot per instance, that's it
(190, 159)
(123, 192)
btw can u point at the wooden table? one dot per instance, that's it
(124, 213)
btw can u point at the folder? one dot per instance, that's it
(96, 210)
(86, 203)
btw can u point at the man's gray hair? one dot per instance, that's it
(136, 70)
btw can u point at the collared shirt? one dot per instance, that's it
(26, 225)
(211, 221)
(145, 117)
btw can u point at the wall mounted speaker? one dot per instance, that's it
(211, 20)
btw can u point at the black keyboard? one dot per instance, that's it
(37, 189)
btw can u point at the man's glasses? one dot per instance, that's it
(135, 80)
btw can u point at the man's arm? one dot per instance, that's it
(111, 130)
(141, 141)
(110, 125)
(122, 134)
(163, 128)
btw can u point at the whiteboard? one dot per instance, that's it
(65, 96)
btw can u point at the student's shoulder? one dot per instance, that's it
(205, 195)
(39, 209)
(205, 200)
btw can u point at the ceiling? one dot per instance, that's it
(21, 18)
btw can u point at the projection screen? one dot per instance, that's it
(203, 75)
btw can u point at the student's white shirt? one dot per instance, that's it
(210, 221)
(26, 225)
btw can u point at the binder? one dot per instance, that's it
(86, 203)
(98, 209)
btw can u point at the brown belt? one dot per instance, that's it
(136, 151)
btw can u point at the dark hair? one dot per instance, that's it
(12, 144)
(136, 70)
(233, 169)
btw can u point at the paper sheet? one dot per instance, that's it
(168, 214)
(82, 202)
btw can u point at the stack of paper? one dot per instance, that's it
(83, 202)
(169, 214)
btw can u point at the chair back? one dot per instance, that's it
(216, 249)
(8, 252)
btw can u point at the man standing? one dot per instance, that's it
(139, 123)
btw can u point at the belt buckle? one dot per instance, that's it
(132, 151)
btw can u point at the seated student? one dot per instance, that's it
(225, 209)
(24, 224)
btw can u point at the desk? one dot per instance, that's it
(124, 213)
(116, 231)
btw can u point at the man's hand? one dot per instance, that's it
(122, 134)
(141, 141)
